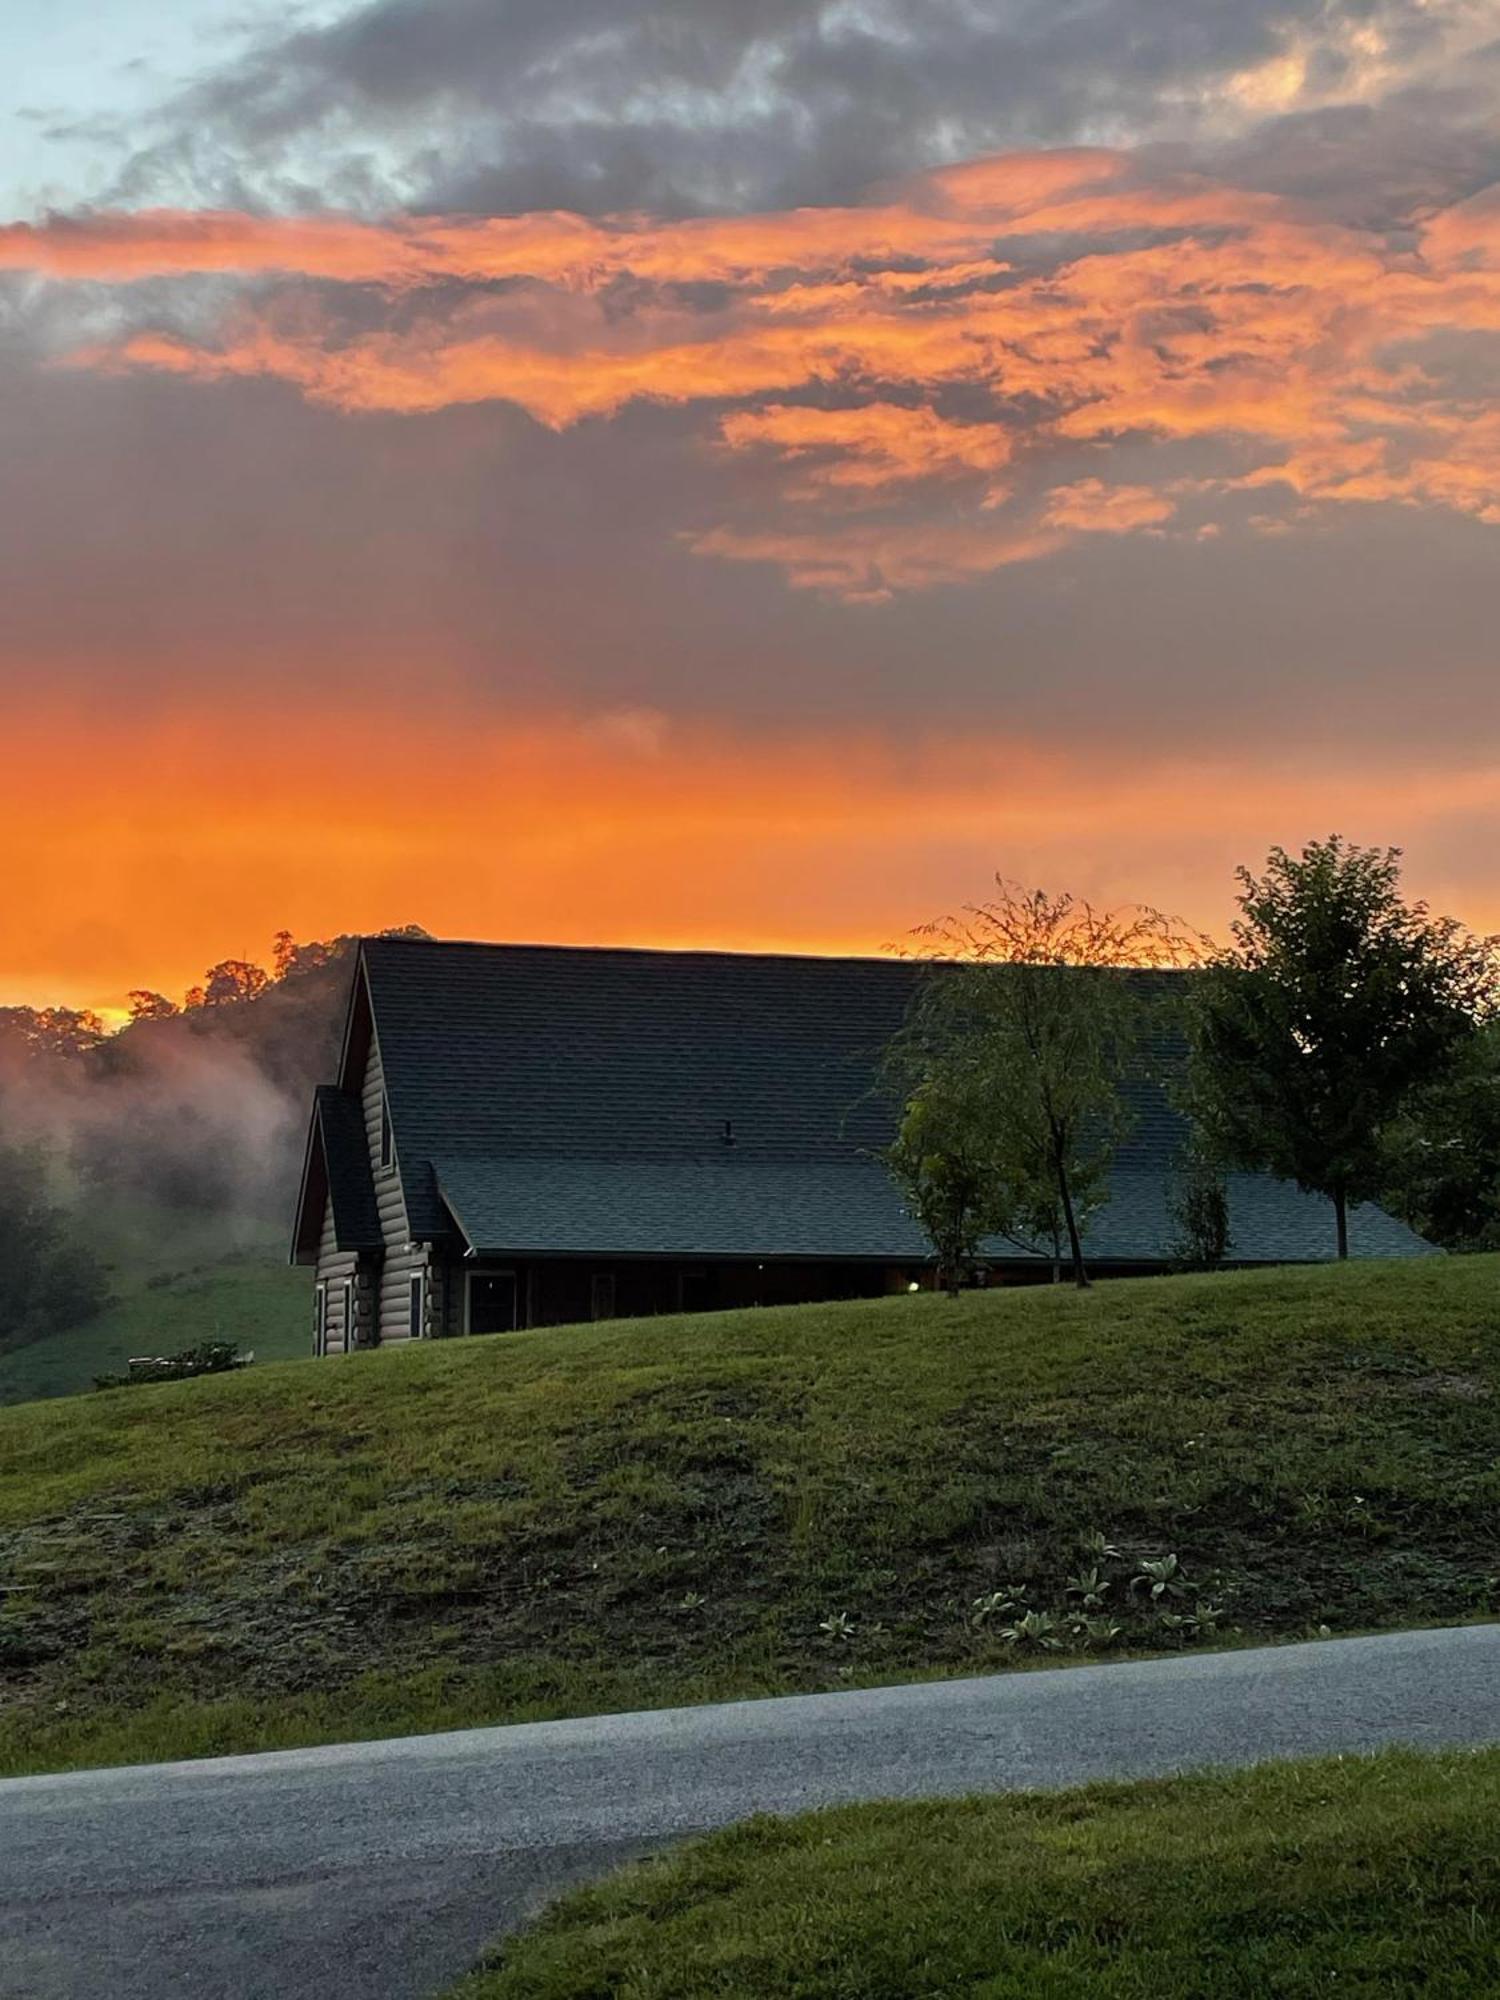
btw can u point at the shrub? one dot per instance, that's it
(1200, 1209)
(208, 1357)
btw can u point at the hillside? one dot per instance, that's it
(172, 1282)
(680, 1509)
(1365, 1876)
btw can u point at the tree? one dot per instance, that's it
(1444, 1152)
(289, 959)
(48, 1032)
(48, 1279)
(148, 1006)
(939, 1161)
(231, 981)
(1029, 1025)
(1336, 1002)
(1200, 1208)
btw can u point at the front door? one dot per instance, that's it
(494, 1299)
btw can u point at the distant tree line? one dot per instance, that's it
(48, 1276)
(1344, 1039)
(193, 1105)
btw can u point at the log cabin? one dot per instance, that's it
(531, 1135)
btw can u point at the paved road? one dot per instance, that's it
(376, 1871)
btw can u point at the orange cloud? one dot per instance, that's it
(874, 445)
(868, 562)
(944, 214)
(1092, 508)
(1074, 299)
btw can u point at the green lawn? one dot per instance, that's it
(683, 1509)
(1371, 1876)
(172, 1285)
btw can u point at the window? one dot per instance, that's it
(387, 1139)
(349, 1340)
(320, 1319)
(604, 1295)
(416, 1306)
(494, 1302)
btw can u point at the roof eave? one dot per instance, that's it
(300, 1254)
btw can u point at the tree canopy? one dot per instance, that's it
(1444, 1168)
(1335, 1003)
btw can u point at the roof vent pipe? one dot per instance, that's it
(728, 1131)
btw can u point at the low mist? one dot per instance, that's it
(199, 1107)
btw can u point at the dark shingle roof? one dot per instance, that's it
(576, 1099)
(506, 1052)
(346, 1154)
(743, 1208)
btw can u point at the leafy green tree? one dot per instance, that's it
(939, 1160)
(1335, 1004)
(1444, 1152)
(49, 1280)
(1024, 1034)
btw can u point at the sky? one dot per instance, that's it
(734, 472)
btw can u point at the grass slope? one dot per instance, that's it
(172, 1285)
(683, 1509)
(1375, 1876)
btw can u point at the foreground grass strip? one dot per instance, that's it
(690, 1509)
(1369, 1876)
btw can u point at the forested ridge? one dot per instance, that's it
(195, 1106)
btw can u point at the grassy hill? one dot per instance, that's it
(682, 1509)
(1364, 1876)
(172, 1283)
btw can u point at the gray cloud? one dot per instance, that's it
(686, 105)
(1377, 163)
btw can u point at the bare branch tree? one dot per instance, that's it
(1024, 1033)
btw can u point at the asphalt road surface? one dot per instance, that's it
(377, 1871)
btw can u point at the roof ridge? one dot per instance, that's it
(893, 960)
(635, 950)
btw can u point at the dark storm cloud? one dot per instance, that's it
(692, 105)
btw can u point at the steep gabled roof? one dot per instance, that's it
(561, 1100)
(337, 1164)
(506, 1052)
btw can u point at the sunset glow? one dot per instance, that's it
(686, 509)
(199, 837)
